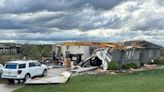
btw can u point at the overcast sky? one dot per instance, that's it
(47, 21)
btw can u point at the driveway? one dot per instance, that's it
(6, 87)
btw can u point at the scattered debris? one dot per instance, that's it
(100, 58)
(51, 80)
(113, 73)
(53, 66)
(105, 57)
(82, 69)
(150, 66)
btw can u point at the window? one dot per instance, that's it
(22, 66)
(37, 64)
(11, 66)
(31, 64)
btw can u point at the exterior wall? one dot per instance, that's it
(137, 56)
(85, 50)
(117, 55)
(150, 54)
(131, 55)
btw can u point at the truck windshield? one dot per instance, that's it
(11, 66)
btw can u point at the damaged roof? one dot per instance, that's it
(121, 46)
(141, 43)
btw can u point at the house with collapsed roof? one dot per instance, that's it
(139, 51)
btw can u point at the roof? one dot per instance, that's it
(121, 46)
(97, 44)
(141, 43)
(21, 61)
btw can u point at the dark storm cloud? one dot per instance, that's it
(63, 20)
(23, 6)
(69, 20)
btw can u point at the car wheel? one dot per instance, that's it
(11, 80)
(16, 81)
(44, 73)
(27, 76)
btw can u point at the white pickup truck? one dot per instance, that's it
(18, 70)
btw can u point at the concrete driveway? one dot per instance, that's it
(6, 87)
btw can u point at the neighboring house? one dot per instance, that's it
(9, 49)
(139, 52)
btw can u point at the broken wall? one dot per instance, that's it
(136, 55)
(85, 50)
(126, 56)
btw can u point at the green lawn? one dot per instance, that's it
(147, 81)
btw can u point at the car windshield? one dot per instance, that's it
(11, 66)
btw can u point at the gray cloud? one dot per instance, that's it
(81, 20)
(23, 6)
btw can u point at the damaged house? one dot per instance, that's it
(139, 52)
(143, 52)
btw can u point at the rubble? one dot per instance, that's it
(100, 58)
(105, 57)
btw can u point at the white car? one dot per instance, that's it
(1, 69)
(18, 70)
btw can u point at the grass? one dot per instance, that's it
(147, 81)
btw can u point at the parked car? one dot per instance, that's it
(1, 69)
(23, 70)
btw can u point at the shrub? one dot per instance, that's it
(113, 65)
(130, 65)
(161, 61)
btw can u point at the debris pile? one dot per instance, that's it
(101, 58)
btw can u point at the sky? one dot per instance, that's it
(49, 21)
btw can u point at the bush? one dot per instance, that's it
(161, 61)
(113, 65)
(130, 65)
